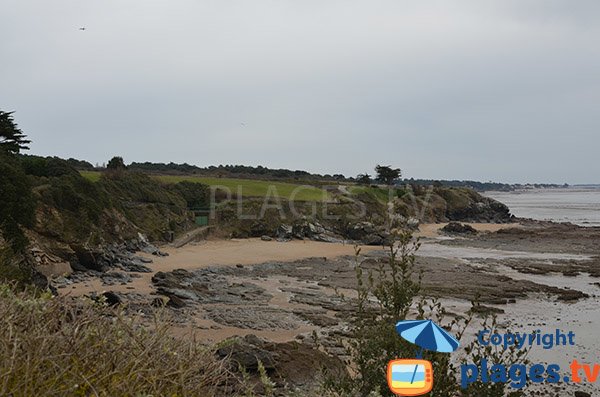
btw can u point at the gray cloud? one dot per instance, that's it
(501, 90)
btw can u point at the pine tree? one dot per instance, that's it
(12, 139)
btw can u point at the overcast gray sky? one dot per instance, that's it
(505, 90)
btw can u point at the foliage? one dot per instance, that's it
(195, 194)
(135, 187)
(236, 171)
(80, 164)
(118, 205)
(13, 266)
(76, 194)
(116, 163)
(46, 166)
(55, 346)
(390, 293)
(12, 139)
(384, 297)
(17, 203)
(387, 174)
(363, 179)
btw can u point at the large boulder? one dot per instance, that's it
(458, 228)
(361, 230)
(481, 209)
(290, 365)
(368, 234)
(284, 232)
(306, 229)
(50, 265)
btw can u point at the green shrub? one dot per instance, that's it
(195, 194)
(46, 166)
(385, 296)
(134, 187)
(17, 203)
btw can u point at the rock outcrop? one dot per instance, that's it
(458, 228)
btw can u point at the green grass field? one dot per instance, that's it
(247, 187)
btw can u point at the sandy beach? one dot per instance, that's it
(251, 251)
(221, 253)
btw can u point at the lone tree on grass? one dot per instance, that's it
(12, 139)
(387, 174)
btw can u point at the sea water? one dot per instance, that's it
(578, 205)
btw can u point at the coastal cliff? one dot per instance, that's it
(83, 223)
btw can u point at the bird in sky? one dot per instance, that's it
(81, 28)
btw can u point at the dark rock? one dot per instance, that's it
(289, 365)
(175, 302)
(582, 394)
(170, 300)
(112, 278)
(206, 287)
(360, 230)
(112, 299)
(89, 259)
(151, 249)
(481, 309)
(477, 209)
(134, 265)
(327, 238)
(571, 295)
(247, 353)
(284, 232)
(458, 228)
(41, 282)
(368, 234)
(303, 228)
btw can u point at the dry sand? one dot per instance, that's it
(222, 253)
(246, 252)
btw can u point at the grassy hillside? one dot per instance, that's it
(248, 187)
(435, 203)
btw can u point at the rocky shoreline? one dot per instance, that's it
(292, 301)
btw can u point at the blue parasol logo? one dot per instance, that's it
(427, 335)
(414, 377)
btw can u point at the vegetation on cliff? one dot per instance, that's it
(46, 202)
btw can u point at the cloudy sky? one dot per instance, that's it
(503, 90)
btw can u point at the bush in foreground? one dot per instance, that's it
(54, 346)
